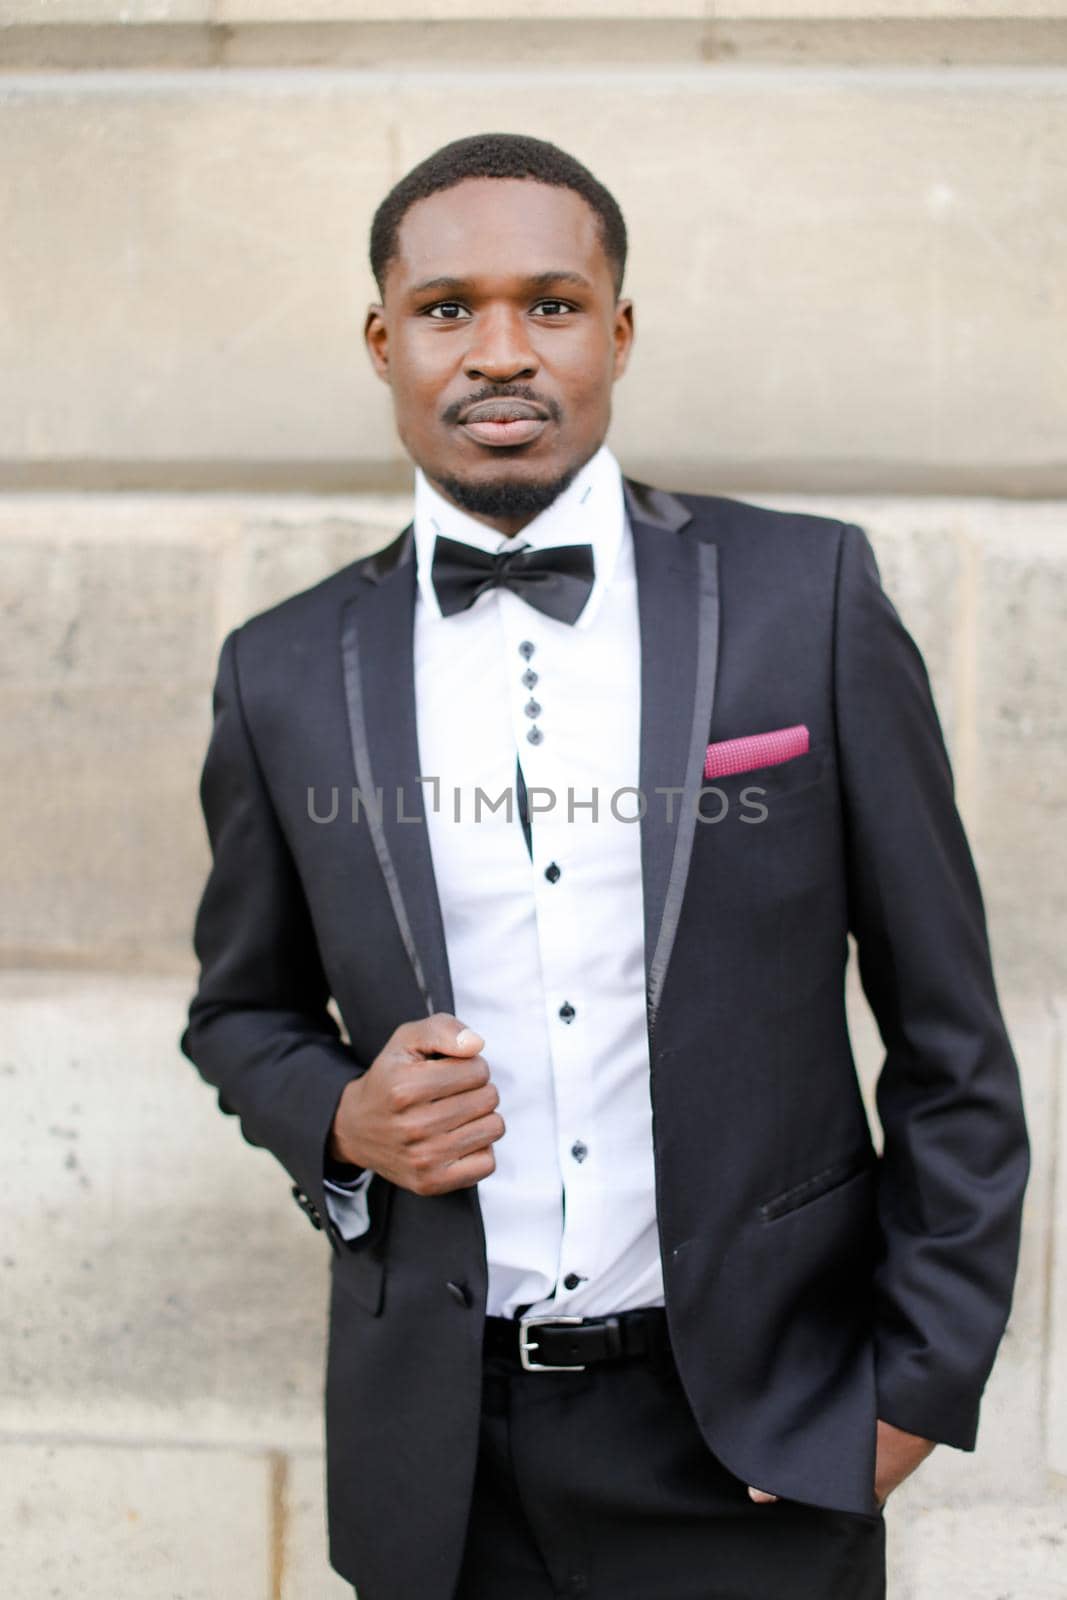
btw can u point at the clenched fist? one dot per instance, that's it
(424, 1113)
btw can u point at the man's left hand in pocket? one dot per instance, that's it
(898, 1454)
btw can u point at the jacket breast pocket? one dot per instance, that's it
(829, 1178)
(765, 793)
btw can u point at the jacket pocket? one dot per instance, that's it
(359, 1275)
(834, 1176)
(784, 785)
(358, 1266)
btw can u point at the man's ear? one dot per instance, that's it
(624, 335)
(376, 338)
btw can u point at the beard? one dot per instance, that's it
(506, 499)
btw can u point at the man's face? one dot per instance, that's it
(500, 292)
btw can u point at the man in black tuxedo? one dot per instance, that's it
(624, 1301)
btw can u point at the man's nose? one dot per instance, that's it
(500, 348)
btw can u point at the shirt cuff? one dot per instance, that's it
(349, 1185)
(348, 1205)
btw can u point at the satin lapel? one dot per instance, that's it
(678, 607)
(379, 676)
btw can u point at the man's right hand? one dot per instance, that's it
(424, 1113)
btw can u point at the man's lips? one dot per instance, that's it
(503, 422)
(519, 431)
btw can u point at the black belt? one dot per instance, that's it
(571, 1343)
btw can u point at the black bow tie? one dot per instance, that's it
(557, 581)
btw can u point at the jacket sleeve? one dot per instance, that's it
(955, 1159)
(259, 1030)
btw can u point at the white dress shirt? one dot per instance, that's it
(546, 956)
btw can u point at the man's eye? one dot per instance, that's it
(448, 307)
(554, 307)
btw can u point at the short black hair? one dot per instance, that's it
(495, 155)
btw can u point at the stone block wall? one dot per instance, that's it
(849, 260)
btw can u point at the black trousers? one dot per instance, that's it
(597, 1485)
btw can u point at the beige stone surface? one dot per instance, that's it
(1021, 733)
(288, 546)
(104, 682)
(114, 610)
(99, 1522)
(1056, 1258)
(124, 13)
(307, 1571)
(205, 241)
(237, 11)
(154, 12)
(107, 593)
(103, 853)
(1001, 1551)
(815, 315)
(876, 10)
(158, 1280)
(944, 39)
(109, 626)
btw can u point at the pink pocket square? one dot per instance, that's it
(755, 750)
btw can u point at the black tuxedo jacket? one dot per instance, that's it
(811, 1284)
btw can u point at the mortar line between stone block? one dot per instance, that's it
(63, 1439)
(279, 1516)
(966, 678)
(231, 582)
(673, 77)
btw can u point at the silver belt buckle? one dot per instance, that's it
(525, 1346)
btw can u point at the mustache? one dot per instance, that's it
(507, 391)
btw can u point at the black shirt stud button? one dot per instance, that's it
(552, 872)
(526, 649)
(567, 1011)
(460, 1293)
(532, 708)
(534, 735)
(571, 1281)
(579, 1150)
(529, 678)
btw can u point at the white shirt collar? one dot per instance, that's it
(591, 510)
